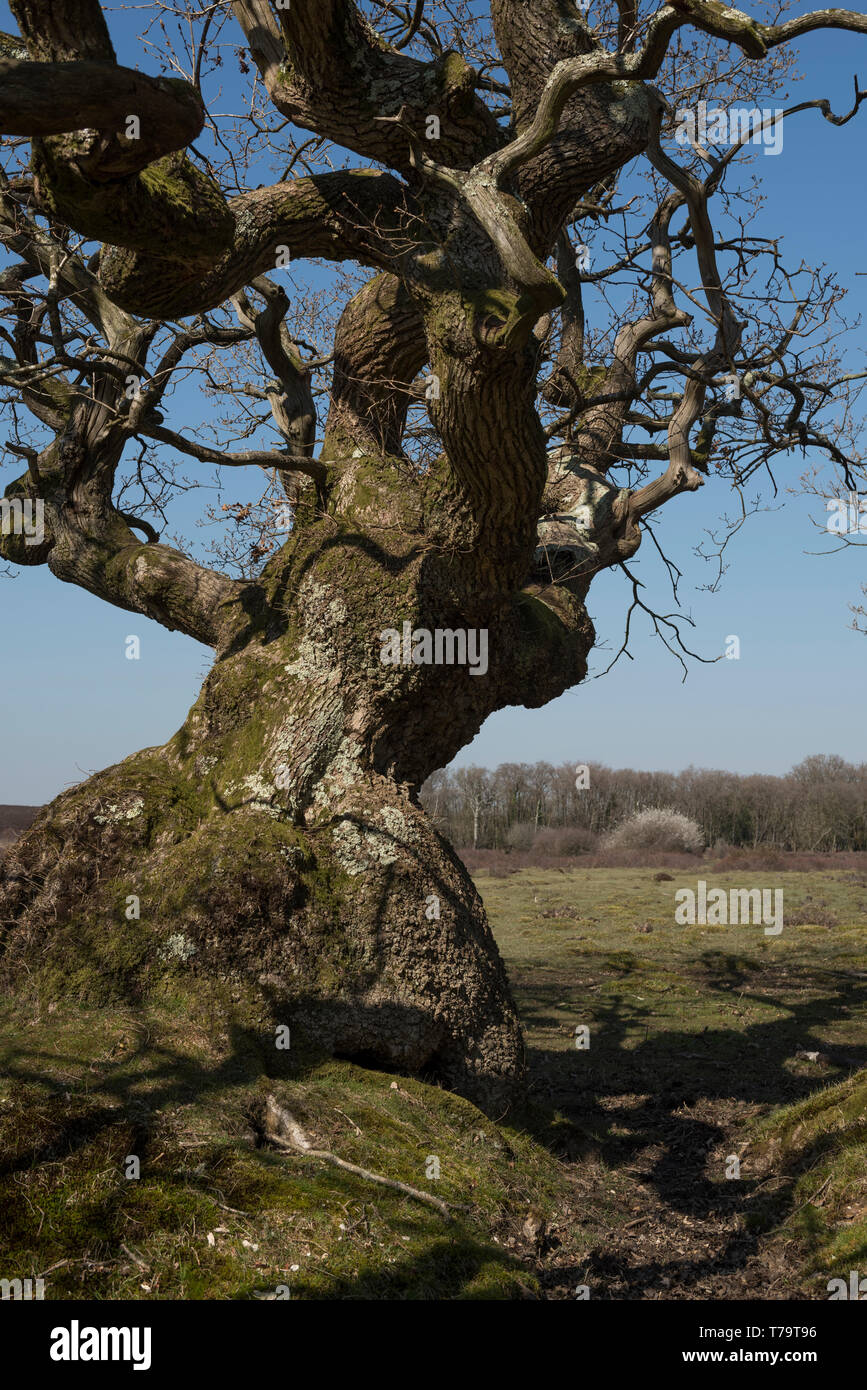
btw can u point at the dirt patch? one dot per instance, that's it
(694, 1037)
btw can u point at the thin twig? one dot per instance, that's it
(277, 1119)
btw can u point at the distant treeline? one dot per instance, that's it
(820, 805)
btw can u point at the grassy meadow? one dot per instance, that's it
(613, 1179)
(696, 1040)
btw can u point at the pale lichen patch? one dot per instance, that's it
(397, 824)
(359, 851)
(344, 771)
(115, 814)
(259, 793)
(177, 947)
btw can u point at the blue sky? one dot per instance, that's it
(71, 703)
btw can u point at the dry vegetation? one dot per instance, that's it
(613, 1176)
(695, 1036)
(817, 808)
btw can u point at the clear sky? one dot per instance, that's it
(71, 703)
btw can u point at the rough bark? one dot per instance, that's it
(277, 841)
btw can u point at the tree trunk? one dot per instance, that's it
(276, 841)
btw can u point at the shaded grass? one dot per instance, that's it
(694, 1038)
(818, 1149)
(694, 1035)
(805, 989)
(213, 1214)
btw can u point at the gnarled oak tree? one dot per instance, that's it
(484, 452)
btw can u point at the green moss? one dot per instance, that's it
(748, 32)
(93, 962)
(454, 74)
(502, 318)
(590, 380)
(171, 200)
(80, 1091)
(820, 1146)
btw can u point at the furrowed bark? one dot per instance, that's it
(341, 216)
(326, 70)
(276, 843)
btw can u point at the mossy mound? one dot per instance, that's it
(818, 1148)
(217, 1214)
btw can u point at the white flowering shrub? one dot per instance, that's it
(657, 827)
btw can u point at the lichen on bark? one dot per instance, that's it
(276, 845)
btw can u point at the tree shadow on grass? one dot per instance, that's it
(665, 1104)
(74, 1113)
(445, 1269)
(647, 1090)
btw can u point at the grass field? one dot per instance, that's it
(694, 1036)
(613, 1179)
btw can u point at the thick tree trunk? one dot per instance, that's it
(277, 840)
(362, 929)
